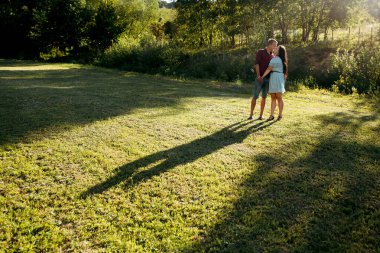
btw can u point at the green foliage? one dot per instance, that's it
(106, 28)
(195, 21)
(138, 15)
(58, 25)
(358, 70)
(226, 23)
(167, 60)
(57, 28)
(74, 28)
(196, 39)
(309, 65)
(16, 20)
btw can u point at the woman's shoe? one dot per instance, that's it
(271, 118)
(279, 117)
(260, 118)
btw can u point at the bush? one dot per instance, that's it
(177, 61)
(58, 30)
(358, 70)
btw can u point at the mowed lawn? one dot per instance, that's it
(98, 160)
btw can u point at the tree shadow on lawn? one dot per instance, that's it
(37, 100)
(186, 153)
(326, 201)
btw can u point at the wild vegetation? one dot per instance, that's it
(201, 39)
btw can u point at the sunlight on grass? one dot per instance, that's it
(47, 87)
(39, 67)
(100, 160)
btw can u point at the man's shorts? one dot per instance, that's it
(263, 88)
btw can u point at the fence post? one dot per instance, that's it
(359, 36)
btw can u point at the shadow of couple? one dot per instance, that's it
(165, 160)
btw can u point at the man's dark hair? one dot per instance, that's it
(271, 41)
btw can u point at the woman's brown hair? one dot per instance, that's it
(284, 57)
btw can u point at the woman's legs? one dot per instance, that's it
(280, 104)
(273, 103)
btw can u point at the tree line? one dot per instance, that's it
(32, 28)
(222, 22)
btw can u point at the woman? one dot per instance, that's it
(278, 69)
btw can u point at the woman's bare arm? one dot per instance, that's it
(267, 71)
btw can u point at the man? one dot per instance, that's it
(263, 57)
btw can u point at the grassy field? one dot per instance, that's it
(97, 160)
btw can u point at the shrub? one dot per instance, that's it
(177, 61)
(358, 70)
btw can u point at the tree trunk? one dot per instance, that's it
(233, 41)
(316, 29)
(325, 32)
(303, 22)
(283, 23)
(308, 18)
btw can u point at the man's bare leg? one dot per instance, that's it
(262, 107)
(253, 105)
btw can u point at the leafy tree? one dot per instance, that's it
(157, 30)
(16, 20)
(106, 27)
(137, 15)
(58, 25)
(195, 21)
(229, 19)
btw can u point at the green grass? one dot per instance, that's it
(97, 160)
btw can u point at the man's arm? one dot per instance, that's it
(257, 68)
(257, 62)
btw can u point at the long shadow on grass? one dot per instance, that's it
(34, 100)
(186, 153)
(326, 201)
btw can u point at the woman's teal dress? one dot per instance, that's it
(277, 80)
